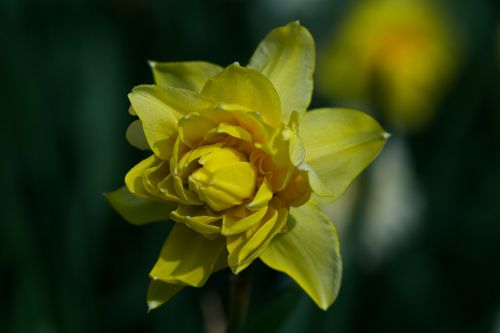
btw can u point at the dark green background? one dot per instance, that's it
(68, 263)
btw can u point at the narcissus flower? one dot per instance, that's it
(400, 55)
(238, 163)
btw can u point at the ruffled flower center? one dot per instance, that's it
(225, 178)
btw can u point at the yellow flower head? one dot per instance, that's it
(400, 55)
(237, 163)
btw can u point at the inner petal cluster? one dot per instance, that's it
(225, 178)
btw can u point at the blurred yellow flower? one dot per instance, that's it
(398, 55)
(237, 162)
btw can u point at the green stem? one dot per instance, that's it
(238, 300)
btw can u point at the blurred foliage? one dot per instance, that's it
(68, 263)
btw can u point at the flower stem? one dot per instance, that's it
(238, 300)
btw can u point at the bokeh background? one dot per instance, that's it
(420, 229)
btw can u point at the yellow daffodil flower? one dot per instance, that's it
(400, 55)
(237, 163)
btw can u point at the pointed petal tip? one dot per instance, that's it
(309, 254)
(324, 305)
(153, 305)
(236, 269)
(152, 63)
(386, 135)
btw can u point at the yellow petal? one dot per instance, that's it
(247, 87)
(236, 178)
(232, 225)
(176, 101)
(296, 148)
(191, 75)
(178, 151)
(252, 122)
(317, 185)
(187, 257)
(160, 292)
(135, 135)
(193, 128)
(309, 253)
(167, 189)
(221, 157)
(189, 162)
(264, 194)
(237, 132)
(138, 210)
(198, 219)
(281, 157)
(159, 123)
(339, 144)
(153, 176)
(159, 110)
(245, 248)
(287, 57)
(185, 196)
(287, 153)
(134, 179)
(227, 186)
